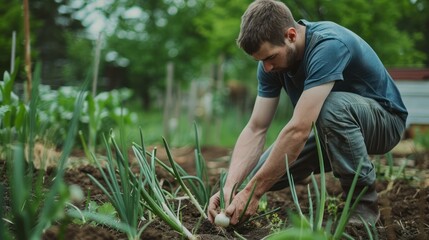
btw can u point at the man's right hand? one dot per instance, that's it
(214, 204)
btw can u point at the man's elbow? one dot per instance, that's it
(298, 133)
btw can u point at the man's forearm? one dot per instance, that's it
(290, 142)
(245, 156)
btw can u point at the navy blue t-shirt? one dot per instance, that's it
(334, 53)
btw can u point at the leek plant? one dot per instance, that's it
(311, 227)
(33, 208)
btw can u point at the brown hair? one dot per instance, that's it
(264, 20)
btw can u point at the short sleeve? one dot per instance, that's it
(326, 62)
(269, 84)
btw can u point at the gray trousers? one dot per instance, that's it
(350, 127)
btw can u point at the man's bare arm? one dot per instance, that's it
(292, 138)
(250, 143)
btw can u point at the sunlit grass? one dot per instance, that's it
(222, 132)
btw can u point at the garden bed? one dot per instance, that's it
(404, 203)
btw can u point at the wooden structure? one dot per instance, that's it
(413, 84)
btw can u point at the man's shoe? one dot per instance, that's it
(368, 211)
(366, 208)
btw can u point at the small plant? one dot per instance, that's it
(392, 173)
(333, 206)
(276, 223)
(421, 138)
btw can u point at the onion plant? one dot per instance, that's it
(33, 208)
(155, 198)
(196, 187)
(122, 188)
(132, 194)
(311, 227)
(221, 219)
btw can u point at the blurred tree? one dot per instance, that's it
(380, 23)
(220, 25)
(158, 32)
(142, 36)
(51, 21)
(11, 19)
(415, 23)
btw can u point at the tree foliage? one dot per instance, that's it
(142, 36)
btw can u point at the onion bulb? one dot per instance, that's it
(222, 220)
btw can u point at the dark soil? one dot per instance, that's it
(404, 203)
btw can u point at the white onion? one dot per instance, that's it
(221, 220)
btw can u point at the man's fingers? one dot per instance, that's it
(212, 214)
(212, 208)
(232, 213)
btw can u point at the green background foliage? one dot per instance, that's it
(140, 37)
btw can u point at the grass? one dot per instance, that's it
(222, 134)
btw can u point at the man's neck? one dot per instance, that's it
(301, 29)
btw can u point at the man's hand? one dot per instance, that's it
(235, 209)
(214, 204)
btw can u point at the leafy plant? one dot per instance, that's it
(32, 207)
(12, 110)
(100, 113)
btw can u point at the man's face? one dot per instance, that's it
(277, 58)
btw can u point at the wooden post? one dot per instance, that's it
(27, 49)
(96, 65)
(12, 55)
(168, 99)
(192, 101)
(219, 89)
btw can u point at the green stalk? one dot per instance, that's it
(321, 206)
(232, 192)
(247, 203)
(202, 173)
(347, 210)
(310, 204)
(292, 188)
(182, 172)
(221, 193)
(179, 179)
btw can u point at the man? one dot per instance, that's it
(334, 79)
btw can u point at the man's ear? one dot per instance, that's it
(290, 34)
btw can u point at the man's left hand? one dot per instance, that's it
(236, 208)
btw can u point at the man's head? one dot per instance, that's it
(264, 21)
